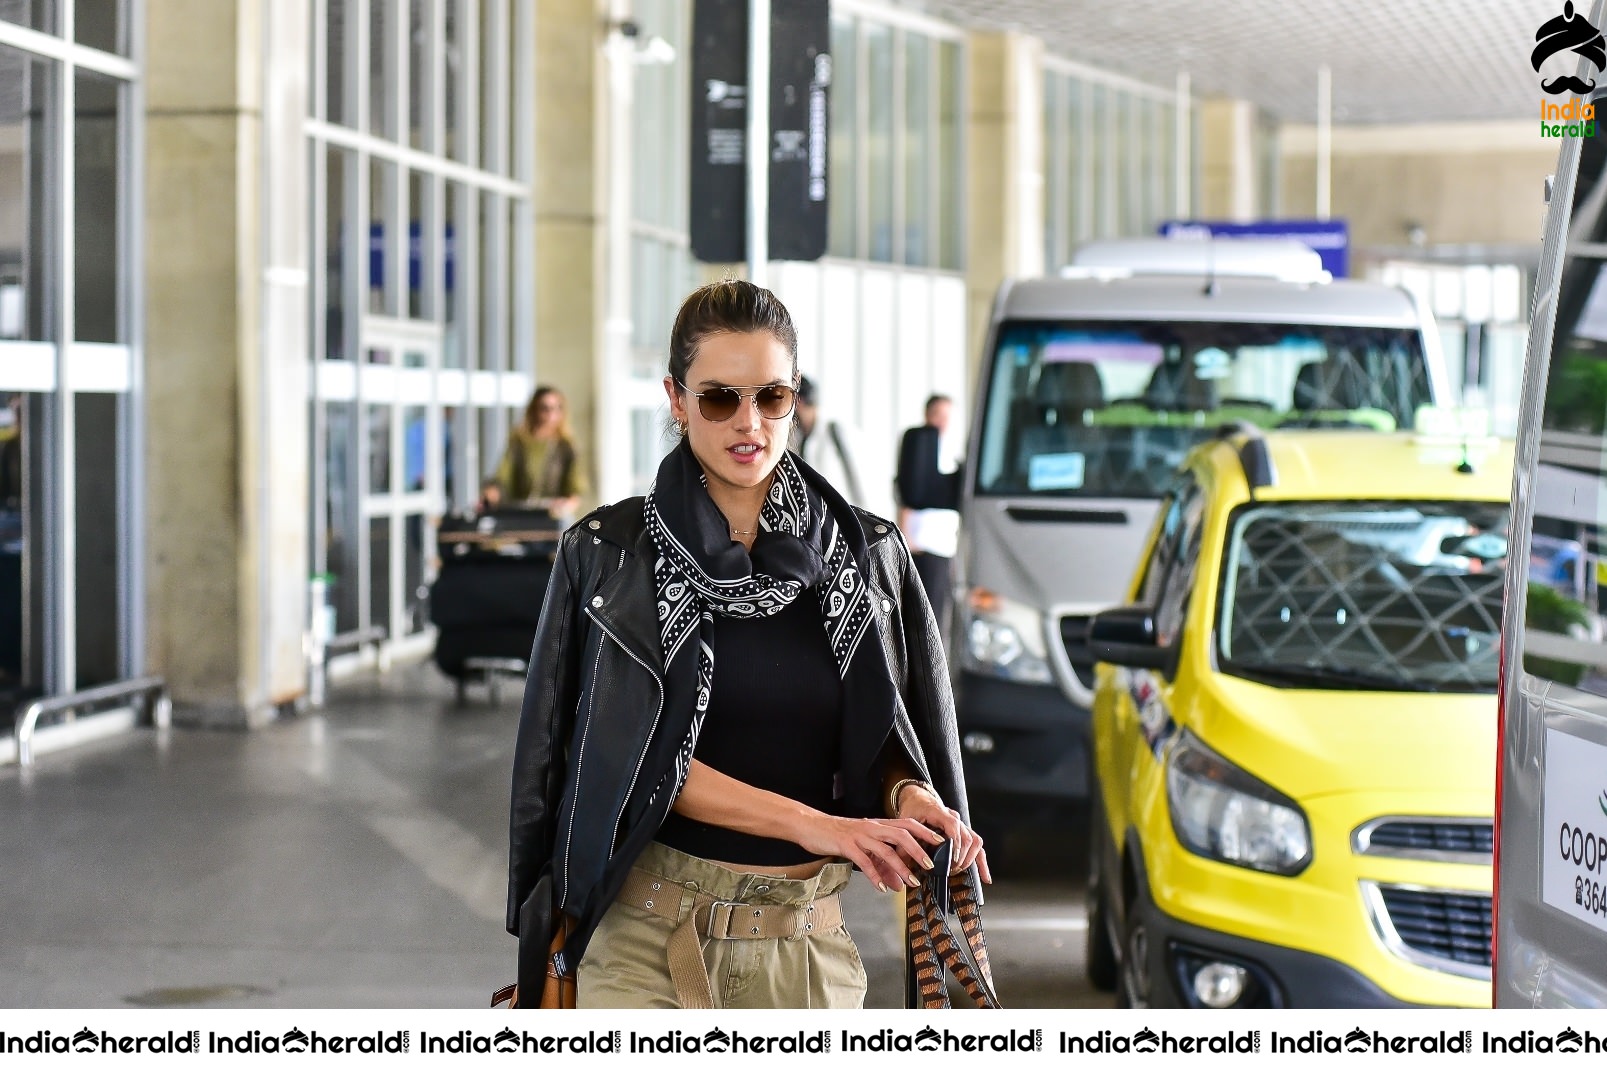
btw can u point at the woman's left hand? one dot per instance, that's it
(916, 802)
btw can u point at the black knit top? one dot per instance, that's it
(774, 722)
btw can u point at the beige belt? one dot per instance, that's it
(721, 920)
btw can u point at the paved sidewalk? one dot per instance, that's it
(350, 858)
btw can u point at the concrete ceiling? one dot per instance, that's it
(1392, 61)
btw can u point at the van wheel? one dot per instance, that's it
(1099, 956)
(1134, 990)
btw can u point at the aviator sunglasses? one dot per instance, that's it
(773, 400)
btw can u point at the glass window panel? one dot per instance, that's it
(842, 194)
(17, 500)
(1166, 143)
(416, 573)
(379, 572)
(1148, 167)
(453, 97)
(1099, 149)
(493, 284)
(458, 197)
(493, 431)
(879, 139)
(381, 67)
(493, 85)
(415, 440)
(515, 302)
(379, 449)
(917, 148)
(1124, 187)
(418, 291)
(420, 102)
(99, 24)
(1054, 182)
(1077, 171)
(458, 474)
(34, 14)
(340, 514)
(98, 594)
(337, 38)
(385, 248)
(96, 206)
(951, 167)
(337, 231)
(28, 286)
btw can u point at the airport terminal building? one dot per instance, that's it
(276, 275)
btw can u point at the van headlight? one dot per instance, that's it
(1223, 813)
(1004, 638)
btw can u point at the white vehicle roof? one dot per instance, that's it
(1272, 258)
(1342, 302)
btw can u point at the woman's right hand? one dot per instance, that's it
(893, 852)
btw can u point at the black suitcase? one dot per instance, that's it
(486, 601)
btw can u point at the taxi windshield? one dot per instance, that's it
(1394, 596)
(1109, 408)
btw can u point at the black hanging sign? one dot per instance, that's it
(800, 80)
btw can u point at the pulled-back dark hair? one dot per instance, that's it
(729, 305)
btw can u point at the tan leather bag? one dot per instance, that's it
(557, 990)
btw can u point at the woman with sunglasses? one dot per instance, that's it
(737, 697)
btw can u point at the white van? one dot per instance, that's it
(1093, 387)
(1551, 817)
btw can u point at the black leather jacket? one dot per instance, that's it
(594, 697)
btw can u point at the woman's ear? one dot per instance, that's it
(677, 407)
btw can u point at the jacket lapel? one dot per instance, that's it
(626, 607)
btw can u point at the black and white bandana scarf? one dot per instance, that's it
(809, 538)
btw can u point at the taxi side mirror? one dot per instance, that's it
(1126, 636)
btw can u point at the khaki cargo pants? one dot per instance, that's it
(627, 962)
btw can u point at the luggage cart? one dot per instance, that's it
(486, 601)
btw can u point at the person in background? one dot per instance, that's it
(827, 445)
(929, 500)
(540, 465)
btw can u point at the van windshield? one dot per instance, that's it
(1391, 596)
(1109, 408)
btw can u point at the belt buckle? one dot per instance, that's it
(730, 906)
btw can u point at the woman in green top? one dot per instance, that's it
(540, 465)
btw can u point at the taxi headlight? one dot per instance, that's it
(1221, 812)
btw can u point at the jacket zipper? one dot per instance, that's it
(642, 755)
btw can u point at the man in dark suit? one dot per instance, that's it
(929, 500)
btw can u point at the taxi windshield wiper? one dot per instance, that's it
(1336, 676)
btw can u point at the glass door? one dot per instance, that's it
(384, 466)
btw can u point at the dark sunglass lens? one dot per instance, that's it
(719, 403)
(775, 402)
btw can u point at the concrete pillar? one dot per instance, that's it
(572, 237)
(1004, 171)
(225, 353)
(1226, 169)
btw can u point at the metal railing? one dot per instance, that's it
(151, 692)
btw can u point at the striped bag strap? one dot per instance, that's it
(935, 952)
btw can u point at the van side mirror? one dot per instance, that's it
(1125, 636)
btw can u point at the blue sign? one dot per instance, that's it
(377, 254)
(1330, 238)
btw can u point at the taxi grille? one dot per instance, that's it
(1448, 926)
(1424, 835)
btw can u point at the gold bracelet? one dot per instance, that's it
(900, 786)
